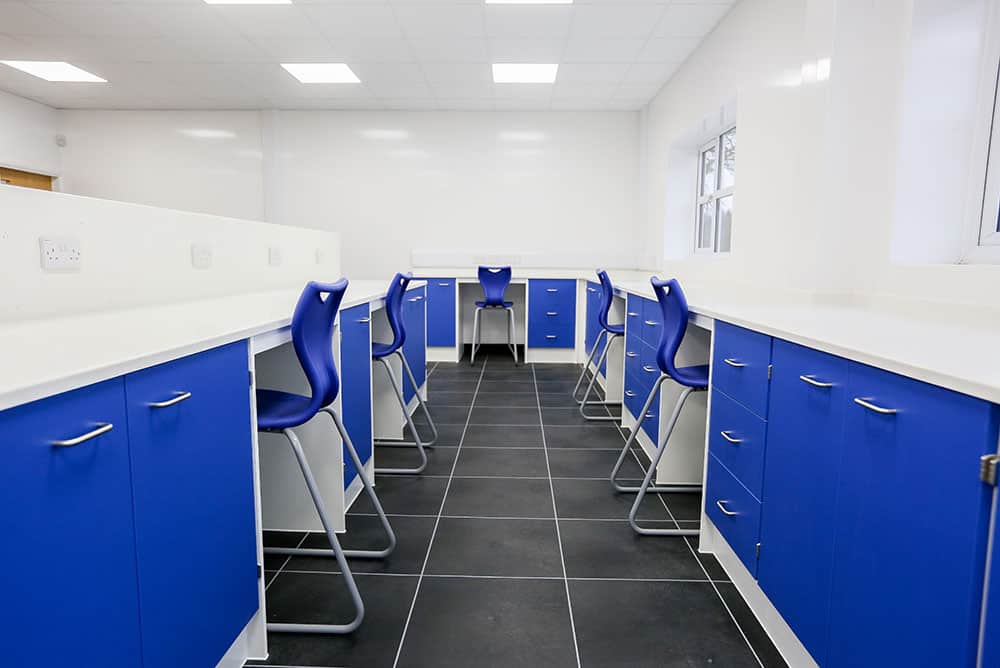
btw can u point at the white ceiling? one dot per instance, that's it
(409, 54)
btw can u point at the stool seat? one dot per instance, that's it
(692, 376)
(380, 350)
(485, 305)
(615, 329)
(282, 410)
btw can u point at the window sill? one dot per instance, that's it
(981, 255)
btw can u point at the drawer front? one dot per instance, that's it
(652, 322)
(415, 346)
(651, 423)
(736, 438)
(740, 365)
(356, 384)
(552, 314)
(650, 370)
(734, 511)
(551, 334)
(633, 319)
(552, 295)
(441, 312)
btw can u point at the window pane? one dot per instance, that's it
(725, 222)
(706, 224)
(708, 167)
(727, 170)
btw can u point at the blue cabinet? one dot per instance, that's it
(801, 471)
(912, 524)
(734, 511)
(737, 437)
(592, 328)
(740, 363)
(441, 312)
(991, 620)
(551, 313)
(415, 346)
(192, 480)
(67, 569)
(356, 384)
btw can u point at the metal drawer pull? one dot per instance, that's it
(552, 313)
(631, 354)
(632, 314)
(652, 323)
(550, 336)
(102, 428)
(725, 511)
(649, 415)
(866, 403)
(648, 369)
(415, 299)
(444, 285)
(181, 396)
(363, 320)
(815, 383)
(726, 435)
(629, 393)
(552, 289)
(591, 290)
(732, 362)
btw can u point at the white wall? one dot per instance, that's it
(28, 135)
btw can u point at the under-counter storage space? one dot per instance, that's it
(551, 313)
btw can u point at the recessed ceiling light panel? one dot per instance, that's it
(524, 73)
(321, 72)
(54, 71)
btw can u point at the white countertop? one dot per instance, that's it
(41, 358)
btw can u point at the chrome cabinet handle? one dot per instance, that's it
(591, 290)
(647, 368)
(815, 383)
(552, 313)
(631, 354)
(552, 289)
(633, 314)
(649, 415)
(866, 403)
(726, 434)
(652, 323)
(102, 428)
(629, 393)
(181, 396)
(444, 285)
(732, 362)
(550, 336)
(725, 511)
(415, 299)
(363, 320)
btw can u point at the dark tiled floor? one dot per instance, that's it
(514, 551)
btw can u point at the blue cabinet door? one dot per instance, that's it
(415, 346)
(912, 522)
(551, 313)
(356, 385)
(991, 622)
(67, 568)
(801, 471)
(192, 475)
(441, 312)
(593, 327)
(740, 360)
(734, 511)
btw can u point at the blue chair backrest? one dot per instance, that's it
(394, 308)
(494, 281)
(312, 336)
(674, 308)
(607, 296)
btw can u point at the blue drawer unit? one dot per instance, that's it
(68, 570)
(593, 327)
(734, 511)
(415, 346)
(651, 425)
(740, 365)
(192, 479)
(912, 523)
(633, 319)
(441, 312)
(991, 621)
(737, 437)
(652, 322)
(356, 384)
(551, 313)
(801, 471)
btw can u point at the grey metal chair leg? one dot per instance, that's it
(628, 446)
(369, 489)
(409, 423)
(420, 400)
(352, 587)
(586, 365)
(590, 387)
(475, 334)
(512, 334)
(651, 471)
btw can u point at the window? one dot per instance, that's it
(716, 179)
(989, 220)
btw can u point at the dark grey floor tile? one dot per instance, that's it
(556, 400)
(320, 598)
(442, 415)
(503, 375)
(457, 384)
(499, 497)
(595, 499)
(437, 398)
(519, 386)
(559, 372)
(591, 436)
(448, 434)
(684, 506)
(520, 548)
(439, 459)
(496, 415)
(558, 386)
(711, 564)
(655, 624)
(501, 462)
(611, 549)
(761, 643)
(488, 623)
(406, 495)
(592, 464)
(282, 538)
(479, 435)
(365, 532)
(515, 400)
(269, 576)
(571, 416)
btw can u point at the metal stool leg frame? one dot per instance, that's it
(586, 365)
(631, 439)
(590, 387)
(512, 334)
(651, 471)
(409, 423)
(369, 489)
(352, 587)
(475, 335)
(420, 400)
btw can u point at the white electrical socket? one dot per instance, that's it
(60, 253)
(274, 256)
(201, 256)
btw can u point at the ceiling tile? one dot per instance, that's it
(646, 73)
(508, 21)
(577, 73)
(453, 20)
(372, 49)
(97, 19)
(268, 20)
(667, 49)
(367, 20)
(449, 50)
(298, 49)
(564, 91)
(690, 20)
(526, 50)
(463, 89)
(22, 19)
(587, 50)
(457, 72)
(619, 20)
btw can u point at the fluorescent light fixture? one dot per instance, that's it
(321, 72)
(529, 2)
(248, 2)
(524, 73)
(54, 71)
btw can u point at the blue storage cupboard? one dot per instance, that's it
(356, 384)
(551, 313)
(415, 346)
(441, 312)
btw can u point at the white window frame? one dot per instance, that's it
(713, 197)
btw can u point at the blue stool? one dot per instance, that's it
(280, 412)
(608, 333)
(674, 308)
(381, 352)
(494, 281)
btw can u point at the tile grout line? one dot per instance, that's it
(555, 515)
(285, 563)
(468, 576)
(437, 522)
